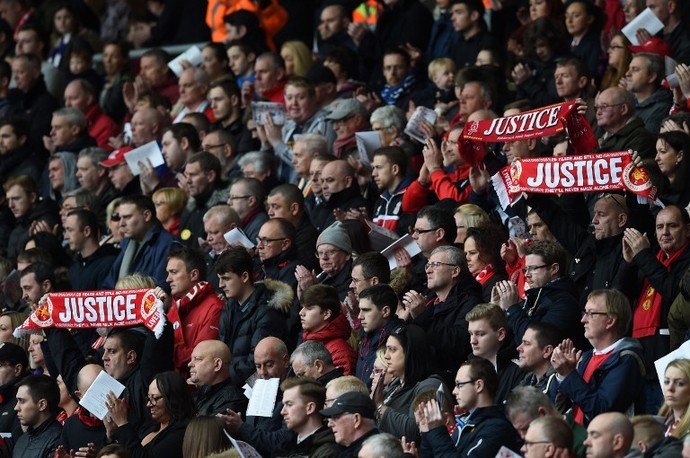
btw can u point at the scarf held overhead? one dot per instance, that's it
(568, 174)
(542, 122)
(96, 309)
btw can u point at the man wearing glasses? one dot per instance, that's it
(277, 251)
(351, 417)
(548, 436)
(610, 377)
(247, 197)
(622, 130)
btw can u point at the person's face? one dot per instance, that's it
(450, 150)
(530, 356)
(76, 98)
(296, 408)
(660, 9)
(460, 17)
(301, 369)
(538, 8)
(151, 71)
(616, 50)
(608, 220)
(202, 366)
(471, 99)
(28, 411)
(24, 75)
(272, 241)
(221, 105)
(440, 277)
(156, 404)
(577, 21)
(315, 169)
(12, 12)
(331, 22)
(543, 50)
(395, 69)
(599, 441)
(520, 422)
(120, 175)
(343, 427)
(484, 58)
(424, 236)
(383, 172)
(596, 326)
(333, 179)
(133, 222)
(538, 229)
(88, 174)
(6, 331)
(386, 134)
(191, 92)
(301, 159)
(115, 359)
(676, 389)
(28, 43)
(35, 350)
(172, 151)
(232, 285)
(269, 365)
(32, 291)
(239, 200)
(289, 59)
(313, 317)
(610, 111)
(639, 79)
(63, 21)
(372, 317)
(277, 207)
(73, 234)
(331, 259)
(346, 126)
(667, 158)
(299, 103)
(68, 204)
(214, 234)
(142, 128)
(266, 76)
(113, 60)
(56, 174)
(9, 140)
(163, 212)
(462, 230)
(568, 84)
(395, 356)
(518, 149)
(630, 10)
(536, 449)
(464, 391)
(78, 64)
(240, 63)
(380, 368)
(211, 65)
(179, 278)
(671, 232)
(19, 201)
(61, 132)
(198, 181)
(444, 77)
(473, 257)
(485, 341)
(535, 275)
(359, 281)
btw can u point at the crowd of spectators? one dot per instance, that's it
(533, 327)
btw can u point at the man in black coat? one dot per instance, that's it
(340, 192)
(92, 262)
(14, 357)
(37, 404)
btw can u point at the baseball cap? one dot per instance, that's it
(352, 402)
(342, 108)
(14, 354)
(654, 45)
(117, 157)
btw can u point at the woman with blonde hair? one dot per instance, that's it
(618, 61)
(297, 57)
(467, 216)
(170, 203)
(677, 398)
(9, 321)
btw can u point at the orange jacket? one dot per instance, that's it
(271, 18)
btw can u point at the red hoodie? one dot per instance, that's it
(335, 337)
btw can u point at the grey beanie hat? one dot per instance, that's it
(335, 235)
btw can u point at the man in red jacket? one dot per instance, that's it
(80, 94)
(195, 309)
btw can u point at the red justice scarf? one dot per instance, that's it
(96, 309)
(565, 174)
(647, 314)
(542, 122)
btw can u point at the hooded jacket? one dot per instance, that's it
(242, 326)
(335, 336)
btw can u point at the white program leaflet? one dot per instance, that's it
(192, 55)
(505, 452)
(367, 143)
(150, 151)
(406, 242)
(260, 110)
(645, 20)
(414, 129)
(96, 396)
(237, 237)
(682, 352)
(263, 399)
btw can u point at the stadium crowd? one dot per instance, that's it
(530, 329)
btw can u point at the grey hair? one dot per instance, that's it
(263, 162)
(225, 213)
(95, 154)
(527, 400)
(73, 117)
(455, 255)
(388, 116)
(484, 89)
(384, 444)
(655, 64)
(200, 76)
(253, 187)
(310, 351)
(84, 198)
(315, 143)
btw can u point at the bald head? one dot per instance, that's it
(209, 364)
(609, 434)
(147, 124)
(335, 177)
(615, 106)
(86, 376)
(271, 358)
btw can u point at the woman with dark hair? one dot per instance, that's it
(116, 74)
(583, 21)
(407, 354)
(619, 57)
(483, 255)
(215, 63)
(171, 407)
(670, 157)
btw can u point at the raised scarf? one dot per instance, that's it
(391, 94)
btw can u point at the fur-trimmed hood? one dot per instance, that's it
(282, 295)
